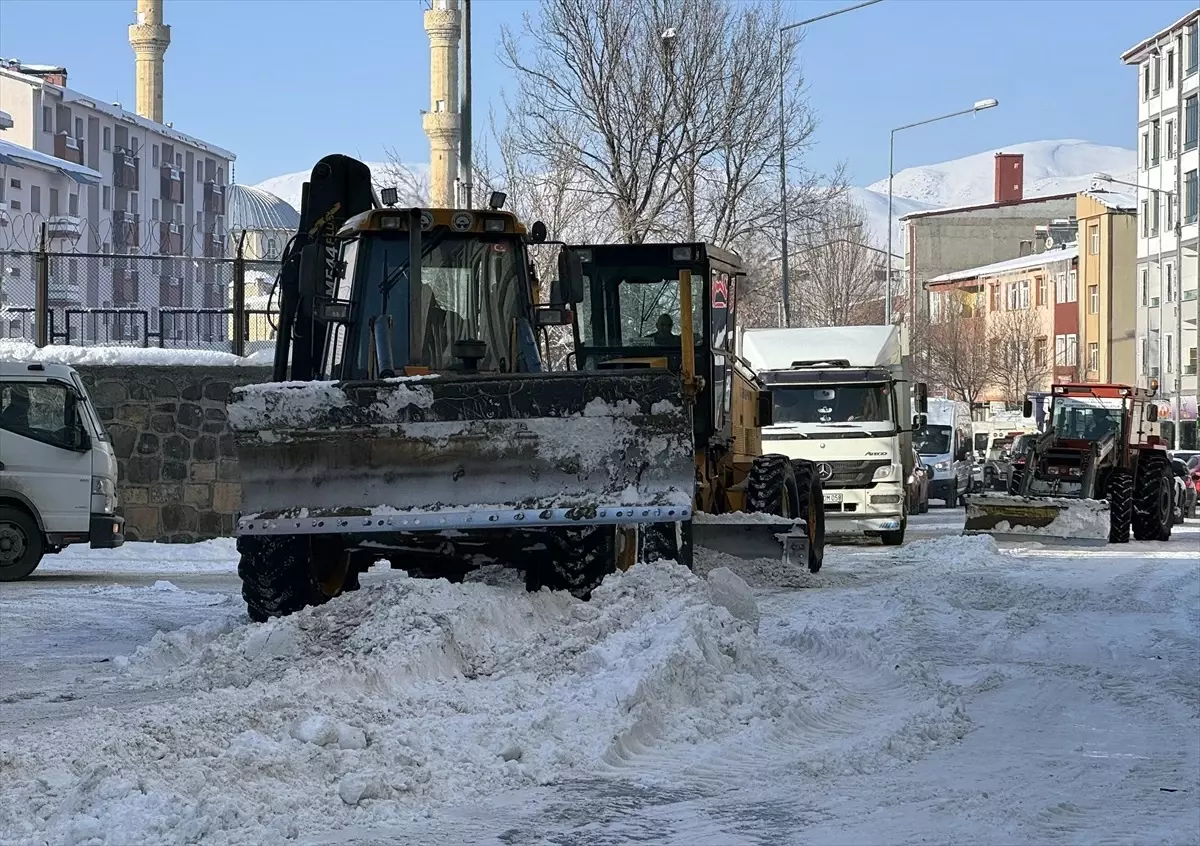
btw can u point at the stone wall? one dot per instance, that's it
(178, 474)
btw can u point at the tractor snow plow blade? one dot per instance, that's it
(463, 452)
(754, 536)
(1042, 519)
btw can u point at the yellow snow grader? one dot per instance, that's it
(1098, 470)
(411, 416)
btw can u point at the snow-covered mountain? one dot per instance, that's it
(1051, 167)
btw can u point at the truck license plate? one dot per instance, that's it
(833, 498)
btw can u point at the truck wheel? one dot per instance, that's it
(896, 537)
(1120, 505)
(810, 501)
(1153, 499)
(576, 560)
(667, 542)
(282, 574)
(21, 544)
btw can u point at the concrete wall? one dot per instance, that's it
(178, 475)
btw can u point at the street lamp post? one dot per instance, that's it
(979, 106)
(787, 308)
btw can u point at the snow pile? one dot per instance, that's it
(402, 694)
(1077, 518)
(11, 350)
(211, 556)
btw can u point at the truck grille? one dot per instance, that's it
(849, 474)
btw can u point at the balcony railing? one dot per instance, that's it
(214, 198)
(68, 148)
(126, 170)
(170, 239)
(64, 226)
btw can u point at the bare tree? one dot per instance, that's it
(959, 355)
(412, 185)
(662, 112)
(1019, 362)
(840, 274)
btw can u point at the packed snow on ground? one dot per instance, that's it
(211, 556)
(11, 350)
(947, 691)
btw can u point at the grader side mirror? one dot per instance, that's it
(1151, 413)
(570, 276)
(1027, 408)
(766, 408)
(921, 397)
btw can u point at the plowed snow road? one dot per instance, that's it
(945, 692)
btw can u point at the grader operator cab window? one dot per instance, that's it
(471, 288)
(638, 309)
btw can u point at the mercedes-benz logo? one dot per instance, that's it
(825, 471)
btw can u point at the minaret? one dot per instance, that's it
(149, 39)
(443, 23)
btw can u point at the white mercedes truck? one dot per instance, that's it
(843, 399)
(58, 472)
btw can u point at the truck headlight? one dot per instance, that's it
(884, 472)
(941, 465)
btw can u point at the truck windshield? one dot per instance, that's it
(1087, 418)
(832, 404)
(933, 440)
(471, 287)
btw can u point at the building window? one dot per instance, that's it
(1170, 139)
(78, 128)
(53, 201)
(1170, 68)
(1155, 75)
(1155, 141)
(1094, 239)
(14, 184)
(47, 119)
(1189, 123)
(1145, 368)
(1189, 197)
(1192, 45)
(73, 205)
(1170, 360)
(15, 205)
(1189, 369)
(154, 209)
(1039, 350)
(270, 248)
(1169, 209)
(1093, 299)
(1094, 357)
(106, 198)
(1018, 295)
(1145, 218)
(35, 199)
(1042, 290)
(154, 155)
(995, 296)
(1170, 294)
(1155, 204)
(1145, 151)
(1066, 350)
(1146, 81)
(1072, 286)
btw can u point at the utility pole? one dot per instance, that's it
(467, 173)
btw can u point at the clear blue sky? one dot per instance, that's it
(284, 82)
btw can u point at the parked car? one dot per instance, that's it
(1185, 489)
(918, 486)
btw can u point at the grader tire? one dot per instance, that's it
(668, 542)
(1153, 499)
(575, 560)
(810, 503)
(283, 574)
(771, 487)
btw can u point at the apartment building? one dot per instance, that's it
(108, 182)
(1029, 310)
(1168, 230)
(1107, 237)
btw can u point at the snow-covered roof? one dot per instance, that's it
(982, 206)
(1116, 200)
(71, 96)
(1065, 253)
(15, 155)
(1138, 52)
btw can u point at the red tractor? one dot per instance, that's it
(1100, 451)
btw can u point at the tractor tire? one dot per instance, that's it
(1153, 498)
(771, 487)
(810, 503)
(21, 544)
(576, 560)
(1120, 505)
(667, 542)
(283, 574)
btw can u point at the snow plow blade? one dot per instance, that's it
(463, 452)
(760, 536)
(1041, 519)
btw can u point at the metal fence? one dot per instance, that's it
(189, 302)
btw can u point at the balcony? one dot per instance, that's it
(214, 246)
(126, 171)
(170, 239)
(68, 148)
(64, 226)
(214, 198)
(126, 230)
(125, 287)
(170, 292)
(171, 182)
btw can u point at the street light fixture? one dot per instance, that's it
(980, 105)
(787, 308)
